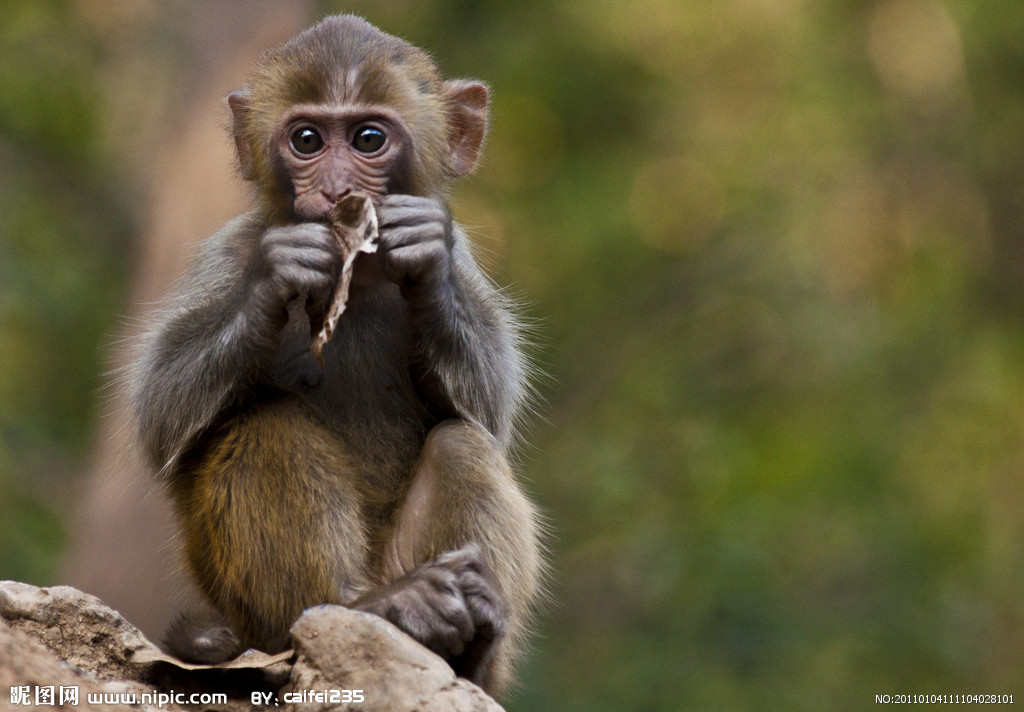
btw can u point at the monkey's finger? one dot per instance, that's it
(482, 598)
(309, 258)
(394, 237)
(487, 612)
(414, 263)
(469, 556)
(306, 234)
(446, 640)
(276, 251)
(456, 613)
(413, 215)
(429, 628)
(303, 278)
(289, 282)
(440, 587)
(404, 200)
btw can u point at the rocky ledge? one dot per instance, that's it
(63, 649)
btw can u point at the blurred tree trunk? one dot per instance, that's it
(122, 546)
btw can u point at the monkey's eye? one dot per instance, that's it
(307, 141)
(369, 139)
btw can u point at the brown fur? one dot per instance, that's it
(268, 474)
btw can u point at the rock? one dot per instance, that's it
(377, 664)
(55, 640)
(75, 626)
(29, 669)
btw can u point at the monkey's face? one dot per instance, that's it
(345, 108)
(325, 153)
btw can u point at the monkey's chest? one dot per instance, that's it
(363, 390)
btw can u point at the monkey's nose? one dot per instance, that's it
(335, 194)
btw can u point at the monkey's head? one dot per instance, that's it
(344, 107)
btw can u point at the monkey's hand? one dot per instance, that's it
(415, 244)
(450, 606)
(291, 261)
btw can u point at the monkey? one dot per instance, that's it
(383, 479)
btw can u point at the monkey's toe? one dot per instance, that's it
(195, 639)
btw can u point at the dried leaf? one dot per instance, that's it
(249, 660)
(354, 225)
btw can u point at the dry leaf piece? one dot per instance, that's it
(354, 225)
(249, 660)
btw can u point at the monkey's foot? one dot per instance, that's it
(450, 605)
(202, 638)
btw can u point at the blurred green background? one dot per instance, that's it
(774, 255)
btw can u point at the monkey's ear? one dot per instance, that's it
(467, 123)
(239, 102)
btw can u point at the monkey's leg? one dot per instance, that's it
(271, 520)
(463, 492)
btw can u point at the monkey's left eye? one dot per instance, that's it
(307, 141)
(369, 139)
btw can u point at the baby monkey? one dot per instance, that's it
(379, 480)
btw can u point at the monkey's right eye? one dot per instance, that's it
(307, 141)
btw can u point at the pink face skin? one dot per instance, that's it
(331, 153)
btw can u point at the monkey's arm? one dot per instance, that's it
(189, 365)
(218, 336)
(465, 353)
(467, 348)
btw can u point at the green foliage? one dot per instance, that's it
(62, 239)
(774, 251)
(48, 71)
(31, 537)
